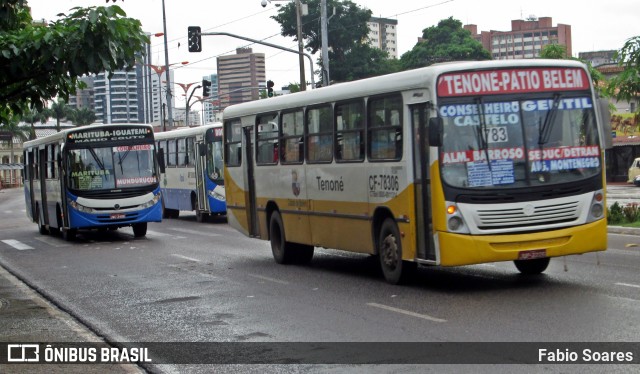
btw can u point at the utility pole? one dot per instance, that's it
(325, 43)
(303, 81)
(166, 65)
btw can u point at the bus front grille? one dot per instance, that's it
(529, 214)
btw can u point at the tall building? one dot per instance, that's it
(525, 40)
(597, 58)
(383, 34)
(240, 77)
(212, 104)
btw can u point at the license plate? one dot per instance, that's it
(117, 216)
(531, 255)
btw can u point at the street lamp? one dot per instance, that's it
(160, 69)
(186, 87)
(303, 81)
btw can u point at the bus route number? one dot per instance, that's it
(497, 134)
(384, 182)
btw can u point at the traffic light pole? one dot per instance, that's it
(313, 83)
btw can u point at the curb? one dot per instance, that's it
(623, 230)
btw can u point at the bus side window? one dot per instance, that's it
(349, 131)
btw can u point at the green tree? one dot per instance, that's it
(626, 85)
(32, 116)
(40, 62)
(82, 116)
(559, 52)
(12, 126)
(59, 110)
(447, 41)
(347, 36)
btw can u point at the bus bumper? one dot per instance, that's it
(90, 220)
(457, 249)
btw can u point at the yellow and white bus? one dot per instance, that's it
(453, 164)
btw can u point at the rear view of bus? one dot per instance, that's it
(94, 177)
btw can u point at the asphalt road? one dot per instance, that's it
(203, 282)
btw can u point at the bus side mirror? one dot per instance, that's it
(605, 120)
(435, 132)
(202, 149)
(161, 160)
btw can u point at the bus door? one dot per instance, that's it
(419, 122)
(252, 212)
(201, 177)
(42, 170)
(29, 177)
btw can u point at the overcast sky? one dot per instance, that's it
(595, 25)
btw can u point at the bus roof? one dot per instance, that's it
(186, 131)
(420, 78)
(62, 134)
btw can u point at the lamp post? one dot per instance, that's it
(160, 69)
(186, 87)
(166, 64)
(303, 81)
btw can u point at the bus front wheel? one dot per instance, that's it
(139, 229)
(395, 270)
(69, 234)
(532, 267)
(282, 251)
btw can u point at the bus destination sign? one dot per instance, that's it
(506, 81)
(110, 134)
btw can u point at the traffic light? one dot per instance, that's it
(270, 88)
(194, 38)
(206, 88)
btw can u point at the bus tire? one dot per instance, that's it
(394, 269)
(41, 226)
(282, 251)
(139, 229)
(302, 253)
(69, 234)
(532, 267)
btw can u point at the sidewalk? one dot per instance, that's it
(26, 317)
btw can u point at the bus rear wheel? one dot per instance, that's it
(532, 267)
(139, 229)
(282, 251)
(42, 228)
(69, 234)
(395, 270)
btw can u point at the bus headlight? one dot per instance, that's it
(455, 222)
(152, 202)
(218, 194)
(79, 207)
(597, 208)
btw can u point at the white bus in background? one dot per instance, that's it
(191, 171)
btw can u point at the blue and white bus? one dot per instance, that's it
(93, 177)
(191, 170)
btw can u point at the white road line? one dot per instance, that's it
(156, 233)
(16, 244)
(186, 258)
(407, 312)
(628, 285)
(51, 241)
(268, 279)
(195, 232)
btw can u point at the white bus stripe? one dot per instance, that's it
(195, 232)
(186, 258)
(268, 279)
(628, 285)
(16, 244)
(407, 312)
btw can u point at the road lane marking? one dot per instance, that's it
(268, 279)
(195, 232)
(17, 245)
(407, 312)
(51, 241)
(628, 285)
(186, 258)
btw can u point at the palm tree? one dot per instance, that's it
(82, 116)
(12, 126)
(33, 116)
(59, 110)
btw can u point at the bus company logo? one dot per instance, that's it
(295, 185)
(23, 352)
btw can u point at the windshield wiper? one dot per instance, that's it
(95, 157)
(549, 120)
(121, 159)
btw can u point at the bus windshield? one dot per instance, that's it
(111, 167)
(507, 143)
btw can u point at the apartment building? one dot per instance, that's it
(383, 34)
(240, 77)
